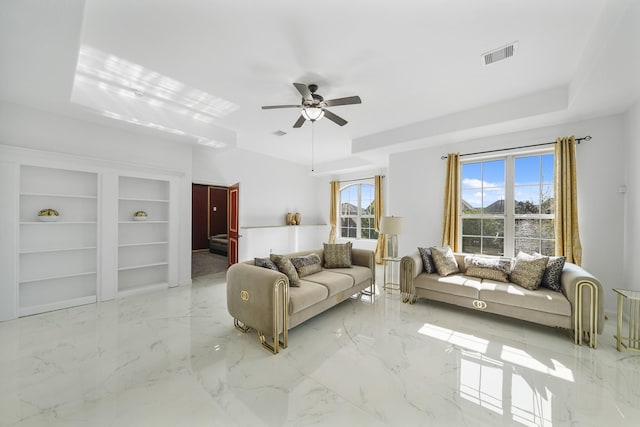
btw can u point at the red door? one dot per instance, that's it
(233, 223)
(199, 217)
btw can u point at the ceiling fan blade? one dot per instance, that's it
(299, 122)
(344, 101)
(304, 91)
(334, 118)
(271, 107)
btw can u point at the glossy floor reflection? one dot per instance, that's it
(173, 358)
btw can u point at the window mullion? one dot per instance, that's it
(509, 207)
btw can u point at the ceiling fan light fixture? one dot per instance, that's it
(312, 113)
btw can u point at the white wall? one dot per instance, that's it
(417, 189)
(631, 242)
(128, 150)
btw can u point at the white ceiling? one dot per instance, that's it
(416, 64)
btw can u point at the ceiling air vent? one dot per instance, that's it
(499, 54)
(279, 133)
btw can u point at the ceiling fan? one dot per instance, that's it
(314, 107)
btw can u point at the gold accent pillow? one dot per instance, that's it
(444, 260)
(337, 255)
(528, 271)
(285, 266)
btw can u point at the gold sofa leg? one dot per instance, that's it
(593, 316)
(241, 326)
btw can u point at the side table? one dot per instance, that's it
(389, 262)
(632, 340)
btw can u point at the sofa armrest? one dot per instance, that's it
(364, 258)
(573, 276)
(410, 267)
(259, 298)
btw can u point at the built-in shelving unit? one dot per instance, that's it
(57, 260)
(143, 245)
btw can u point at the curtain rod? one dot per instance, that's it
(578, 140)
(358, 179)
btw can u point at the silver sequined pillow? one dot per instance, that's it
(427, 260)
(306, 265)
(528, 271)
(553, 272)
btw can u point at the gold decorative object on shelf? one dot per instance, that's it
(140, 216)
(297, 218)
(48, 215)
(289, 218)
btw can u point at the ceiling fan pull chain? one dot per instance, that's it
(313, 137)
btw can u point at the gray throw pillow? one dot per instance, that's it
(444, 260)
(427, 260)
(337, 255)
(284, 265)
(553, 272)
(306, 265)
(528, 271)
(265, 263)
(487, 273)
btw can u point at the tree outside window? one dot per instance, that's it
(357, 209)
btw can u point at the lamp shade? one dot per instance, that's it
(391, 225)
(312, 113)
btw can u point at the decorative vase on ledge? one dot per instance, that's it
(289, 218)
(297, 218)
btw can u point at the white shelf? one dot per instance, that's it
(40, 251)
(28, 311)
(134, 267)
(62, 276)
(68, 196)
(142, 289)
(56, 222)
(137, 199)
(143, 222)
(128, 245)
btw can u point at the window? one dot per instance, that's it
(507, 205)
(357, 211)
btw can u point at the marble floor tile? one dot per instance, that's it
(173, 358)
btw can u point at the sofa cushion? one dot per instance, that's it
(337, 255)
(265, 263)
(334, 282)
(542, 299)
(528, 270)
(306, 265)
(357, 272)
(551, 277)
(427, 261)
(306, 295)
(456, 285)
(444, 260)
(284, 265)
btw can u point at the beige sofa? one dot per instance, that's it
(262, 299)
(543, 306)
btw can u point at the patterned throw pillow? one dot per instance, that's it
(427, 260)
(284, 265)
(265, 263)
(551, 277)
(337, 255)
(496, 263)
(487, 273)
(528, 271)
(306, 265)
(444, 260)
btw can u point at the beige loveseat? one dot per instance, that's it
(262, 299)
(543, 306)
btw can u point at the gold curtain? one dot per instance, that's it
(451, 222)
(566, 201)
(333, 210)
(381, 247)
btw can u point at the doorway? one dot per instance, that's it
(209, 229)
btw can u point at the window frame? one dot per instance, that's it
(509, 214)
(359, 216)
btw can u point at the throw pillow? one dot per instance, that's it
(265, 263)
(496, 263)
(487, 273)
(528, 270)
(284, 265)
(306, 265)
(551, 277)
(427, 260)
(337, 255)
(444, 260)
